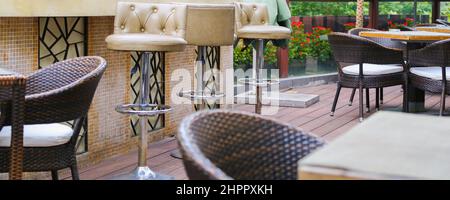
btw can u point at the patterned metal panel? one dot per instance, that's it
(61, 38)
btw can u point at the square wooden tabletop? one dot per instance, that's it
(388, 145)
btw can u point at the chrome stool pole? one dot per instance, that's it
(143, 110)
(258, 67)
(199, 94)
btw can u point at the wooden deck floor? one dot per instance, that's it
(314, 119)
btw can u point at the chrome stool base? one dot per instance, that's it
(176, 154)
(260, 83)
(143, 173)
(200, 95)
(144, 109)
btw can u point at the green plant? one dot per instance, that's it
(270, 53)
(317, 47)
(243, 56)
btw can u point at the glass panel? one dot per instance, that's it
(309, 52)
(445, 10)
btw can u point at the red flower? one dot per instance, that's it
(389, 22)
(350, 24)
(297, 24)
(319, 28)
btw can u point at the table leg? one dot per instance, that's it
(415, 96)
(416, 99)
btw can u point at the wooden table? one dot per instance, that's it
(438, 29)
(406, 146)
(12, 90)
(414, 40)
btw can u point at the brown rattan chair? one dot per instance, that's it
(59, 93)
(383, 41)
(429, 69)
(375, 66)
(220, 145)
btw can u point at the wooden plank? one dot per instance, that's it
(344, 111)
(130, 159)
(314, 118)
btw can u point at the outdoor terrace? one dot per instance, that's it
(315, 119)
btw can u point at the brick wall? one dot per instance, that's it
(19, 44)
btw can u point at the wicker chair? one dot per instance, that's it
(429, 68)
(221, 145)
(383, 41)
(59, 93)
(376, 66)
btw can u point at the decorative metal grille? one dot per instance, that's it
(157, 88)
(61, 38)
(211, 83)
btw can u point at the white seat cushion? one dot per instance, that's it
(42, 135)
(373, 69)
(430, 72)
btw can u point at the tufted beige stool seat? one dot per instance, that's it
(144, 42)
(252, 22)
(152, 29)
(264, 32)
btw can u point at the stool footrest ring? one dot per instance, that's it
(194, 95)
(261, 82)
(143, 109)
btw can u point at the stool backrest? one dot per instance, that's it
(210, 24)
(251, 14)
(151, 18)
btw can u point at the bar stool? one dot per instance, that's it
(252, 23)
(152, 29)
(208, 26)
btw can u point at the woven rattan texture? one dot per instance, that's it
(234, 145)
